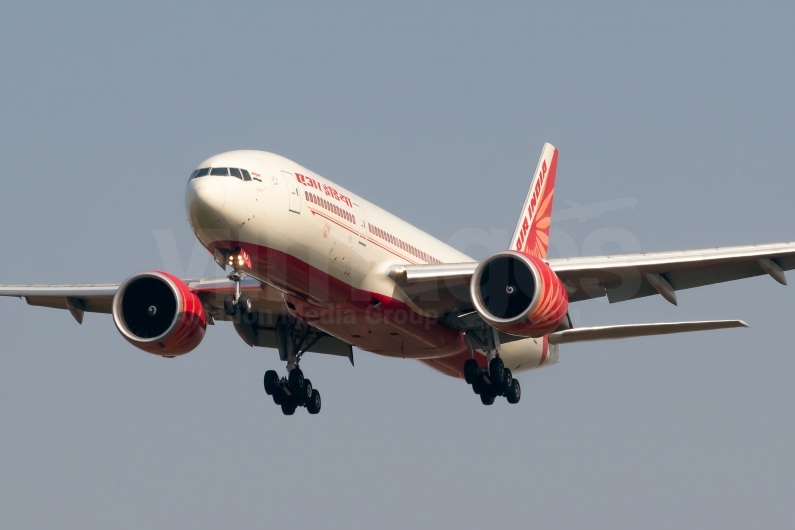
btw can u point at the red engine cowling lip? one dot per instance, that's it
(520, 324)
(187, 328)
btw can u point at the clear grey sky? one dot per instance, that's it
(436, 111)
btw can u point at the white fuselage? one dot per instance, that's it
(324, 246)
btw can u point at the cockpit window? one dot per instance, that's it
(242, 174)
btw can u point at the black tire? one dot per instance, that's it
(477, 385)
(515, 393)
(271, 381)
(229, 305)
(507, 382)
(306, 394)
(313, 403)
(244, 304)
(470, 370)
(288, 409)
(279, 397)
(496, 372)
(296, 381)
(487, 398)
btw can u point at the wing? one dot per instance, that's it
(267, 302)
(444, 289)
(94, 298)
(98, 298)
(627, 331)
(633, 276)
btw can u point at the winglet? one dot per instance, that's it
(532, 232)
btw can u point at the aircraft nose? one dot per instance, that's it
(204, 200)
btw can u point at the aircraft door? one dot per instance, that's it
(361, 222)
(295, 193)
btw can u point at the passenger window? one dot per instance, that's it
(203, 172)
(246, 176)
(235, 172)
(220, 172)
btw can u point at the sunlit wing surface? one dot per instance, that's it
(94, 298)
(445, 288)
(627, 331)
(632, 276)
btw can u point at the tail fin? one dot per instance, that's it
(532, 232)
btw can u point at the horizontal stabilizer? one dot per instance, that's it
(627, 331)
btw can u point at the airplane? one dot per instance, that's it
(313, 267)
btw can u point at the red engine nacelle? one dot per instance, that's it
(159, 314)
(519, 294)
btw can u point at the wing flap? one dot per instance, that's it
(627, 331)
(436, 289)
(91, 304)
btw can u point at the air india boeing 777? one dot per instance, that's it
(312, 267)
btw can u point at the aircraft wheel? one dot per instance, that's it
(477, 385)
(507, 382)
(244, 304)
(313, 404)
(229, 305)
(470, 370)
(496, 372)
(306, 393)
(487, 398)
(288, 409)
(515, 394)
(279, 397)
(296, 381)
(271, 381)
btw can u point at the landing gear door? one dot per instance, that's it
(292, 187)
(361, 222)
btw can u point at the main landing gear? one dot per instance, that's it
(496, 380)
(292, 391)
(294, 338)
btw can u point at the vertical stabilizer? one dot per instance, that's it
(532, 232)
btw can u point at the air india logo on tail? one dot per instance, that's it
(537, 190)
(532, 234)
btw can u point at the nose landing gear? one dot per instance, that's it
(237, 302)
(496, 380)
